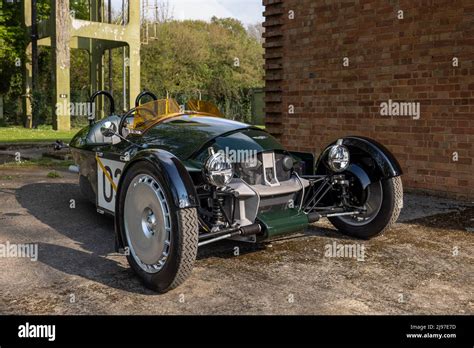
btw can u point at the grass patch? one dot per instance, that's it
(53, 175)
(42, 134)
(42, 162)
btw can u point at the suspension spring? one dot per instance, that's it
(217, 213)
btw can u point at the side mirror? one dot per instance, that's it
(108, 129)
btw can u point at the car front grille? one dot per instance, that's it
(253, 174)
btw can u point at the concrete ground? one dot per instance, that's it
(424, 265)
(8, 152)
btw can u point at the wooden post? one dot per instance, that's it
(60, 42)
(27, 71)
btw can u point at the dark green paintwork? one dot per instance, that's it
(184, 135)
(187, 137)
(282, 222)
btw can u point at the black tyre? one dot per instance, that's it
(383, 201)
(160, 240)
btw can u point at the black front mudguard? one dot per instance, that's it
(370, 160)
(177, 179)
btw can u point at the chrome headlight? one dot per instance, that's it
(338, 158)
(218, 170)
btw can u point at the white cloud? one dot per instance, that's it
(199, 9)
(247, 11)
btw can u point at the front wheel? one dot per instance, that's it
(161, 241)
(382, 202)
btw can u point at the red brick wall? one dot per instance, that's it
(405, 60)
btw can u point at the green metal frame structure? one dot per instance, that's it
(62, 33)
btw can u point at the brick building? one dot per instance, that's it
(332, 68)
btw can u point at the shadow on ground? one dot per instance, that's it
(62, 207)
(51, 204)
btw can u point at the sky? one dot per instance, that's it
(247, 11)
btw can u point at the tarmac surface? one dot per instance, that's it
(424, 265)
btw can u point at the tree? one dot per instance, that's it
(12, 43)
(256, 31)
(219, 59)
(163, 11)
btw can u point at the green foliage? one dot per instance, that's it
(12, 99)
(43, 134)
(80, 8)
(43, 96)
(44, 162)
(12, 42)
(43, 9)
(53, 175)
(219, 59)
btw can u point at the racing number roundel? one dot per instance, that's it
(108, 175)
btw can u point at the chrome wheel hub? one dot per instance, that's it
(147, 223)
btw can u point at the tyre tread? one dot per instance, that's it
(398, 192)
(188, 245)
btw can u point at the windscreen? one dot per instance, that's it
(149, 114)
(204, 107)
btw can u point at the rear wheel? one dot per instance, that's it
(382, 202)
(161, 240)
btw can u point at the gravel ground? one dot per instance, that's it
(424, 265)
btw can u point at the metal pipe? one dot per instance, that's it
(228, 233)
(320, 198)
(219, 233)
(216, 239)
(315, 195)
(342, 214)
